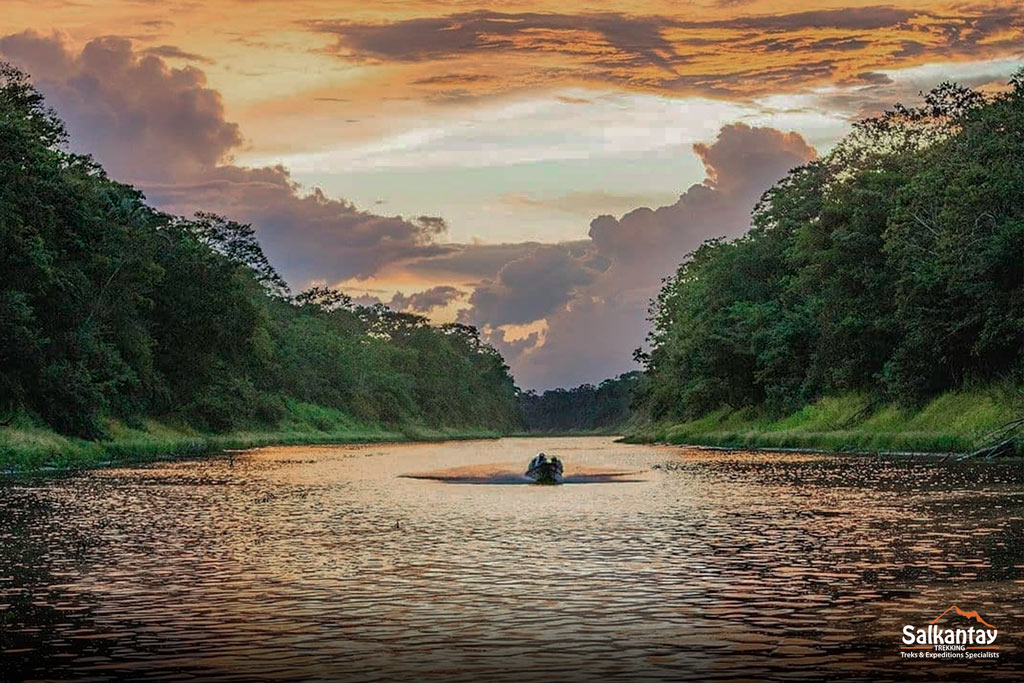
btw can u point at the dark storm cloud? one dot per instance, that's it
(165, 131)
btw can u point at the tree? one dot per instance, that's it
(894, 266)
(111, 309)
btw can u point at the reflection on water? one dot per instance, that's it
(344, 563)
(511, 474)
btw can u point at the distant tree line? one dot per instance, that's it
(893, 266)
(110, 308)
(583, 408)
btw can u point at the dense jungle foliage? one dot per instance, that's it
(893, 267)
(112, 309)
(605, 407)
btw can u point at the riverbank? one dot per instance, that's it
(27, 446)
(954, 422)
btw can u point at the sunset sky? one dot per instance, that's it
(489, 163)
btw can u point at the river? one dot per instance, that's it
(436, 562)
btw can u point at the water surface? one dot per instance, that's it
(372, 563)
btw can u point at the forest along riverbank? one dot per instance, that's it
(177, 335)
(870, 277)
(427, 561)
(27, 447)
(954, 422)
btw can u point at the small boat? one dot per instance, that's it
(545, 471)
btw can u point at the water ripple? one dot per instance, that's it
(363, 563)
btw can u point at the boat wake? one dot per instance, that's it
(510, 474)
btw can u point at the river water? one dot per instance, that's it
(436, 562)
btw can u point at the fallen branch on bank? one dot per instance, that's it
(1000, 441)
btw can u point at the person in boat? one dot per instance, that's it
(538, 460)
(556, 463)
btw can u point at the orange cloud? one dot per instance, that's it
(305, 76)
(165, 131)
(726, 48)
(678, 53)
(284, 70)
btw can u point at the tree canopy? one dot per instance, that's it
(606, 406)
(110, 308)
(893, 266)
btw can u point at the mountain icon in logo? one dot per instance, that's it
(973, 614)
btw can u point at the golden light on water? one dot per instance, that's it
(312, 561)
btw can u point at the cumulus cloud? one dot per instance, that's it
(306, 235)
(603, 320)
(573, 312)
(144, 121)
(562, 313)
(165, 131)
(529, 288)
(740, 165)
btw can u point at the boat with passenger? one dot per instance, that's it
(544, 470)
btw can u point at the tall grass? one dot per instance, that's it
(957, 421)
(28, 446)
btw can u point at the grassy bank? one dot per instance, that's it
(953, 422)
(26, 445)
